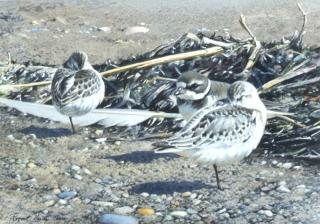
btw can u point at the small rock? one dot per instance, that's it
(49, 203)
(117, 219)
(62, 202)
(100, 140)
(136, 29)
(105, 29)
(287, 165)
(186, 194)
(11, 137)
(196, 201)
(168, 218)
(222, 211)
(99, 132)
(191, 211)
(266, 213)
(67, 195)
(299, 190)
(179, 214)
(102, 203)
(117, 143)
(297, 167)
(145, 211)
(283, 189)
(77, 176)
(263, 162)
(282, 183)
(145, 194)
(193, 195)
(31, 165)
(123, 210)
(56, 191)
(76, 168)
(86, 171)
(34, 22)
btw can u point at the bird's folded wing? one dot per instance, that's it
(218, 127)
(105, 117)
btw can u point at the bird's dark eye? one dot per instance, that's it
(194, 86)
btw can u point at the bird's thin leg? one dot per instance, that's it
(73, 130)
(217, 177)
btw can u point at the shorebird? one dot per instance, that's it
(77, 90)
(224, 133)
(195, 91)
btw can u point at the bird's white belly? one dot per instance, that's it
(221, 156)
(187, 111)
(83, 105)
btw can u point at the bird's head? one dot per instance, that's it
(77, 61)
(244, 94)
(192, 86)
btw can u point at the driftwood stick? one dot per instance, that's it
(140, 65)
(257, 45)
(166, 59)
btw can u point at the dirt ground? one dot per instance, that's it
(39, 159)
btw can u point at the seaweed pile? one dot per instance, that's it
(286, 73)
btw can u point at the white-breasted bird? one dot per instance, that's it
(77, 90)
(195, 91)
(224, 133)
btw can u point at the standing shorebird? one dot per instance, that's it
(77, 90)
(222, 134)
(195, 91)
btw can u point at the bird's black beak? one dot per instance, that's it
(179, 91)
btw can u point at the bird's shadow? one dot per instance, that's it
(141, 157)
(168, 187)
(46, 132)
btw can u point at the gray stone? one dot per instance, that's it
(67, 194)
(267, 213)
(117, 219)
(123, 210)
(179, 214)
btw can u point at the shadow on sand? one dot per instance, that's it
(141, 157)
(168, 187)
(46, 132)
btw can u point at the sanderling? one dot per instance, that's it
(195, 91)
(223, 133)
(77, 90)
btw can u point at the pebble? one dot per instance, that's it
(266, 213)
(62, 202)
(136, 29)
(196, 201)
(146, 211)
(299, 190)
(11, 137)
(222, 211)
(179, 214)
(145, 194)
(287, 165)
(105, 29)
(117, 219)
(193, 195)
(102, 203)
(77, 176)
(49, 203)
(123, 210)
(76, 168)
(86, 171)
(117, 143)
(283, 189)
(31, 165)
(186, 194)
(192, 211)
(67, 194)
(100, 140)
(99, 132)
